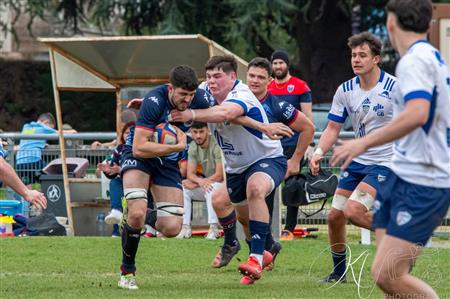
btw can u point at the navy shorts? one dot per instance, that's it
(356, 173)
(237, 183)
(409, 212)
(161, 171)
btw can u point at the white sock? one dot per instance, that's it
(259, 257)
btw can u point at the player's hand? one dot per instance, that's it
(293, 168)
(347, 150)
(36, 198)
(314, 164)
(115, 169)
(206, 185)
(135, 103)
(95, 144)
(181, 139)
(180, 116)
(277, 131)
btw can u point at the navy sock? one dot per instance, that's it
(339, 262)
(258, 232)
(130, 242)
(228, 224)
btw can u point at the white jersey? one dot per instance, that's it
(423, 156)
(368, 110)
(243, 146)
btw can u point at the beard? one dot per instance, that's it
(281, 75)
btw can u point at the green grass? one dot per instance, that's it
(87, 267)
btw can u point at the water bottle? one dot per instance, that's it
(101, 225)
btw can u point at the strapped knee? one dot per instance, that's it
(339, 202)
(135, 193)
(363, 198)
(166, 209)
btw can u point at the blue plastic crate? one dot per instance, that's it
(10, 207)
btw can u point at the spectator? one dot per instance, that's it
(296, 92)
(29, 156)
(204, 170)
(112, 171)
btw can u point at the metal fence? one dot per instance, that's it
(78, 145)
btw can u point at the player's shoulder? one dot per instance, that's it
(419, 52)
(349, 85)
(157, 96)
(241, 91)
(201, 100)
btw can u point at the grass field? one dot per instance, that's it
(87, 267)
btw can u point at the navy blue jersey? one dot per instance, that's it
(156, 108)
(281, 111)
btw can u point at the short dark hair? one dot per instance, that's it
(261, 62)
(183, 76)
(48, 117)
(412, 15)
(365, 38)
(226, 63)
(199, 125)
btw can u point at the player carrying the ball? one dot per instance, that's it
(145, 160)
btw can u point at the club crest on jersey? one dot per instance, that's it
(403, 217)
(385, 94)
(290, 88)
(379, 109)
(366, 105)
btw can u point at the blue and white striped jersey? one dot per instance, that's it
(243, 146)
(368, 110)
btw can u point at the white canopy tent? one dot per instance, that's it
(120, 62)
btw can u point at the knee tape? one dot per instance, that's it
(166, 209)
(135, 193)
(363, 198)
(339, 202)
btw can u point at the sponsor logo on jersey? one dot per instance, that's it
(129, 163)
(290, 88)
(281, 104)
(289, 111)
(379, 109)
(403, 217)
(263, 165)
(230, 190)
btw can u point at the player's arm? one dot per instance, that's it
(303, 125)
(10, 178)
(144, 148)
(225, 112)
(217, 176)
(328, 138)
(272, 130)
(414, 116)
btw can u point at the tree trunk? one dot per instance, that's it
(323, 51)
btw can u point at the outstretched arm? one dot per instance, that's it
(11, 179)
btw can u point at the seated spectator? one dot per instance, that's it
(204, 173)
(112, 171)
(29, 156)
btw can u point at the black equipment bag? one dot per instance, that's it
(47, 225)
(305, 189)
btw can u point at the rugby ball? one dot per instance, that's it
(165, 133)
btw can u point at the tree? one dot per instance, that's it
(314, 31)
